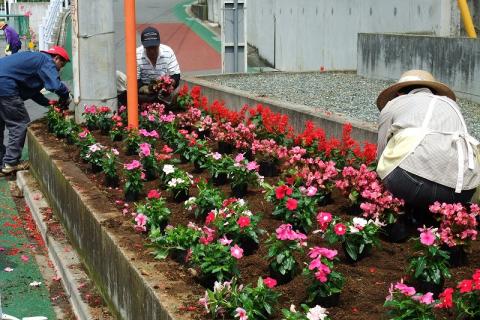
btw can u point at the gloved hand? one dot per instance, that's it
(64, 102)
(7, 50)
(144, 90)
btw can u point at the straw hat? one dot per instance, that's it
(414, 78)
(2, 24)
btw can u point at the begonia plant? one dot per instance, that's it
(231, 300)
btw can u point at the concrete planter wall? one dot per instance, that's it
(134, 291)
(298, 114)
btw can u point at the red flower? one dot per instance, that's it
(210, 217)
(446, 300)
(282, 191)
(153, 194)
(243, 221)
(465, 286)
(270, 282)
(291, 204)
(340, 229)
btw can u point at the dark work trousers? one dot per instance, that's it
(420, 193)
(15, 118)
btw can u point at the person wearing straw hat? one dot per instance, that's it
(22, 77)
(425, 153)
(12, 38)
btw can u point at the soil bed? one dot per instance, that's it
(367, 281)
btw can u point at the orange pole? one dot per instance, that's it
(131, 59)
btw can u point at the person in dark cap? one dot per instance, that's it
(425, 151)
(22, 76)
(154, 60)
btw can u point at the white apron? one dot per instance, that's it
(405, 141)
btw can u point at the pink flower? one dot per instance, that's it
(404, 289)
(427, 237)
(225, 241)
(322, 272)
(243, 221)
(166, 149)
(241, 314)
(204, 302)
(135, 164)
(291, 204)
(340, 229)
(239, 157)
(153, 194)
(285, 232)
(323, 219)
(322, 252)
(145, 149)
(311, 191)
(236, 252)
(84, 133)
(252, 166)
(427, 298)
(141, 221)
(270, 282)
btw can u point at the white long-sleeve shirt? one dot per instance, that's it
(436, 157)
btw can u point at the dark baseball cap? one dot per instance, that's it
(150, 37)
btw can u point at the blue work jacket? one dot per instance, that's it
(26, 73)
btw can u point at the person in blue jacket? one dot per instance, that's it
(22, 76)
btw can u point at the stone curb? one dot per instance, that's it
(132, 286)
(61, 253)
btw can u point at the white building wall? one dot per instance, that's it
(315, 34)
(37, 11)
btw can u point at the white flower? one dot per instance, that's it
(247, 213)
(352, 229)
(35, 284)
(359, 222)
(241, 202)
(317, 313)
(168, 168)
(8, 269)
(292, 308)
(173, 183)
(216, 156)
(95, 147)
(115, 151)
(218, 286)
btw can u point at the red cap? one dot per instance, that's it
(56, 50)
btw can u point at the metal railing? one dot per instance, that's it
(46, 32)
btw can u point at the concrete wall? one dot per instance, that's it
(308, 35)
(454, 61)
(37, 11)
(214, 10)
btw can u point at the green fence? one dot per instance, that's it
(20, 23)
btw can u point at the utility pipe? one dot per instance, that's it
(131, 61)
(467, 18)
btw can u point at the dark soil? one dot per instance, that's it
(367, 281)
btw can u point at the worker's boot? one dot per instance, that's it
(12, 168)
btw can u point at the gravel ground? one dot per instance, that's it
(338, 92)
